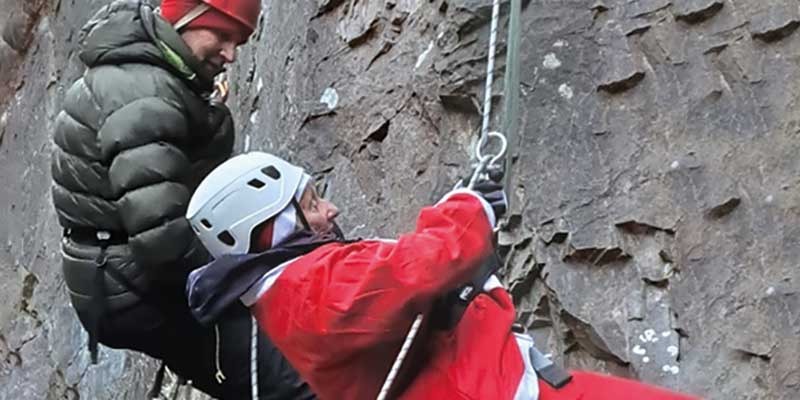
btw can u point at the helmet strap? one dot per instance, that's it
(191, 15)
(300, 214)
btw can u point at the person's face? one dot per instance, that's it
(213, 48)
(319, 213)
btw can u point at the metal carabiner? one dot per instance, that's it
(485, 161)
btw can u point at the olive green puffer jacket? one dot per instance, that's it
(136, 136)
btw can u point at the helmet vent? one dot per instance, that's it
(225, 237)
(271, 172)
(256, 183)
(206, 223)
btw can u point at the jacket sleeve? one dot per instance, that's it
(330, 305)
(147, 174)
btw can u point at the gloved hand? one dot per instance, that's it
(493, 193)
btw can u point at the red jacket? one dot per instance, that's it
(340, 313)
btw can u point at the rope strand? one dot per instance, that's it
(487, 96)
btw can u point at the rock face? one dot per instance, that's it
(655, 226)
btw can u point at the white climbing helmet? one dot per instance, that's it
(237, 196)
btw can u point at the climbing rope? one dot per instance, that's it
(253, 358)
(487, 95)
(484, 162)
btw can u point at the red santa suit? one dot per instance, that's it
(341, 312)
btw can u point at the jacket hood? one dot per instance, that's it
(130, 31)
(213, 288)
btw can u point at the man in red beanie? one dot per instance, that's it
(213, 28)
(138, 132)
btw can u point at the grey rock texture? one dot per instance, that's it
(655, 226)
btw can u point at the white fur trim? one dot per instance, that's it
(528, 388)
(487, 208)
(263, 284)
(492, 283)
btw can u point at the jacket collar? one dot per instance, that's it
(211, 289)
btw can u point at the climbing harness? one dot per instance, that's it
(97, 300)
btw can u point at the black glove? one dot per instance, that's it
(493, 193)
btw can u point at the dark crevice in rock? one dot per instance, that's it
(558, 237)
(384, 49)
(521, 288)
(774, 24)
(379, 134)
(641, 228)
(778, 33)
(723, 209)
(586, 337)
(12, 360)
(666, 256)
(597, 256)
(617, 85)
(694, 11)
(463, 103)
(638, 28)
(659, 283)
(716, 48)
(647, 8)
(550, 234)
(599, 6)
(28, 287)
(750, 353)
(540, 316)
(325, 6)
(372, 142)
(364, 36)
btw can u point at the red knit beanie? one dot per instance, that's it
(174, 10)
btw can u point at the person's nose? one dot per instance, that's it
(331, 212)
(228, 52)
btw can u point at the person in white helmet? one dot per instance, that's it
(340, 310)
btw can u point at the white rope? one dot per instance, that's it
(487, 96)
(254, 358)
(219, 375)
(398, 362)
(487, 109)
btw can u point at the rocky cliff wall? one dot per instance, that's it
(655, 229)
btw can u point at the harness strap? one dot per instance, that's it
(98, 301)
(191, 15)
(158, 382)
(448, 310)
(97, 304)
(545, 368)
(548, 371)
